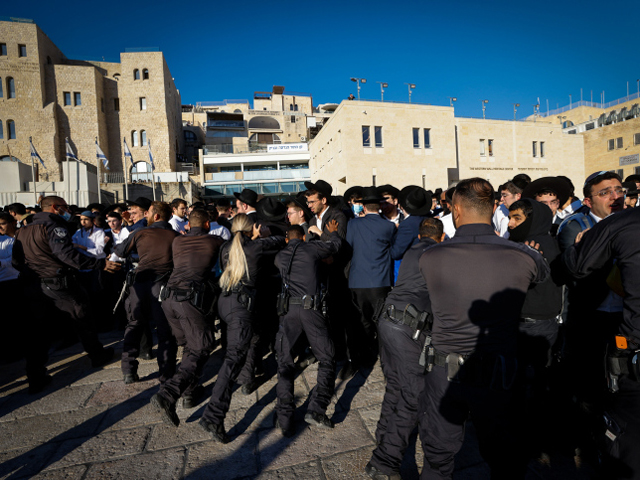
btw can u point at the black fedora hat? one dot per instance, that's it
(355, 191)
(247, 196)
(271, 209)
(416, 201)
(390, 189)
(404, 192)
(320, 186)
(370, 195)
(630, 187)
(142, 202)
(559, 186)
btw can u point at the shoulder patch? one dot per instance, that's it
(60, 232)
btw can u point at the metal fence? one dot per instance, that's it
(586, 103)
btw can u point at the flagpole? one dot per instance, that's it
(98, 162)
(124, 170)
(68, 175)
(33, 174)
(153, 178)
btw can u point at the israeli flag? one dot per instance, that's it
(153, 167)
(101, 156)
(34, 154)
(70, 154)
(127, 152)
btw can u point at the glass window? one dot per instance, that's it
(490, 145)
(145, 74)
(77, 99)
(427, 138)
(611, 144)
(295, 108)
(22, 50)
(190, 136)
(269, 188)
(3, 49)
(143, 137)
(11, 88)
(136, 74)
(482, 146)
(1, 89)
(366, 136)
(143, 103)
(102, 104)
(293, 166)
(11, 129)
(378, 133)
(1, 131)
(291, 107)
(134, 138)
(620, 172)
(416, 138)
(636, 137)
(542, 149)
(535, 149)
(67, 98)
(116, 104)
(293, 119)
(619, 142)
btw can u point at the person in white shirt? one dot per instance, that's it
(89, 239)
(214, 227)
(179, 221)
(510, 192)
(116, 234)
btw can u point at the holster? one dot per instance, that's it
(282, 303)
(494, 371)
(620, 363)
(247, 298)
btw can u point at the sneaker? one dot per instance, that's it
(130, 378)
(166, 409)
(286, 432)
(216, 430)
(376, 474)
(102, 358)
(249, 388)
(318, 420)
(36, 385)
(194, 398)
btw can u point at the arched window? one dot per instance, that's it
(190, 136)
(141, 172)
(145, 74)
(11, 129)
(136, 74)
(11, 88)
(134, 138)
(143, 137)
(116, 76)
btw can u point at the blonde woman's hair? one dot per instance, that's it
(237, 266)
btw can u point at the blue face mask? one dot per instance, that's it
(66, 215)
(357, 208)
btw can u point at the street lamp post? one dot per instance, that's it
(515, 107)
(484, 107)
(383, 85)
(536, 109)
(561, 118)
(359, 81)
(570, 104)
(451, 100)
(411, 86)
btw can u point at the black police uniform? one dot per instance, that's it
(616, 238)
(44, 255)
(399, 356)
(477, 282)
(304, 315)
(235, 312)
(153, 245)
(194, 256)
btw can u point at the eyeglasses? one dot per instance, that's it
(608, 192)
(311, 202)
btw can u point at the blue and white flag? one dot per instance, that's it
(101, 156)
(34, 154)
(70, 154)
(127, 152)
(153, 167)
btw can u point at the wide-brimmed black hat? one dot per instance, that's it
(631, 188)
(299, 201)
(370, 195)
(247, 196)
(353, 191)
(559, 186)
(142, 202)
(390, 189)
(270, 209)
(415, 200)
(320, 186)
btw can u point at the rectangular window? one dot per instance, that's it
(611, 144)
(116, 104)
(11, 127)
(293, 119)
(1, 131)
(636, 137)
(378, 133)
(416, 138)
(3, 49)
(542, 149)
(22, 50)
(102, 104)
(490, 144)
(636, 170)
(620, 172)
(67, 98)
(427, 138)
(366, 136)
(619, 142)
(143, 103)
(535, 149)
(589, 126)
(77, 99)
(482, 147)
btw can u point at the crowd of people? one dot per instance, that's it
(516, 307)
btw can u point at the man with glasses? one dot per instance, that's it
(389, 204)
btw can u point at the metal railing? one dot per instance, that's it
(279, 175)
(260, 188)
(585, 103)
(159, 177)
(233, 149)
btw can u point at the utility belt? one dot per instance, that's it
(245, 296)
(531, 321)
(622, 360)
(410, 316)
(202, 295)
(316, 302)
(133, 276)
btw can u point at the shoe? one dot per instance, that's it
(307, 360)
(130, 378)
(318, 420)
(166, 408)
(285, 432)
(38, 384)
(194, 398)
(249, 388)
(216, 430)
(103, 357)
(376, 474)
(348, 371)
(148, 355)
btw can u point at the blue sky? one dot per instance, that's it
(504, 51)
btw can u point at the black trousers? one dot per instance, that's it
(72, 302)
(399, 356)
(364, 348)
(239, 331)
(143, 307)
(194, 333)
(313, 324)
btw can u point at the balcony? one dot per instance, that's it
(259, 175)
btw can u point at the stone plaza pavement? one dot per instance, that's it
(88, 424)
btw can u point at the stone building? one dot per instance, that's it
(49, 97)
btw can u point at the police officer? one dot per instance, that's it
(402, 332)
(477, 283)
(153, 245)
(301, 307)
(188, 297)
(47, 261)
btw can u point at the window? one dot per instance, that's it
(22, 50)
(636, 170)
(67, 98)
(11, 129)
(620, 172)
(589, 126)
(134, 138)
(143, 103)
(378, 134)
(619, 142)
(1, 89)
(535, 149)
(190, 136)
(542, 149)
(293, 119)
(482, 147)
(11, 88)
(572, 132)
(77, 99)
(490, 144)
(116, 104)
(366, 136)
(291, 107)
(611, 144)
(636, 136)
(3, 49)
(136, 74)
(1, 131)
(295, 108)
(427, 138)
(416, 138)
(143, 137)
(102, 104)
(145, 74)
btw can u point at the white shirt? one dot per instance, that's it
(319, 217)
(216, 229)
(93, 240)
(7, 272)
(449, 227)
(178, 223)
(501, 221)
(118, 238)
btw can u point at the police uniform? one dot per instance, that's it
(44, 254)
(153, 245)
(194, 256)
(477, 282)
(400, 350)
(298, 266)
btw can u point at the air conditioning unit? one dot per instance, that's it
(303, 138)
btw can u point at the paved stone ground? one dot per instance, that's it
(88, 424)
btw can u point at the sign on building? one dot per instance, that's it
(629, 159)
(288, 147)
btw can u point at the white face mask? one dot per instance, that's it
(357, 208)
